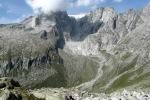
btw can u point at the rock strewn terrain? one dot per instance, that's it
(12, 90)
(74, 94)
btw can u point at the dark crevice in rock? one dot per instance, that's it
(44, 35)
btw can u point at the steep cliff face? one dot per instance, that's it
(127, 63)
(30, 52)
(121, 47)
(102, 29)
(103, 51)
(29, 56)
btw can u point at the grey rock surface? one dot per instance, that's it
(15, 93)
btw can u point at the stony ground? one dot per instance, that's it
(65, 94)
(12, 90)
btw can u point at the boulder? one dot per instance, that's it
(2, 85)
(12, 90)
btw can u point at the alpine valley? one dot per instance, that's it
(104, 55)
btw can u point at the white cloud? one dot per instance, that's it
(88, 2)
(47, 6)
(77, 16)
(84, 2)
(118, 1)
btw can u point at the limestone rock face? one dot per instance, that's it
(146, 12)
(103, 28)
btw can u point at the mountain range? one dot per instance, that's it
(104, 51)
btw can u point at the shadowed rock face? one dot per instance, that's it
(97, 52)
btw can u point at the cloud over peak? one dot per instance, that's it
(47, 6)
(88, 2)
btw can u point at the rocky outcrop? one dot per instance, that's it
(25, 52)
(12, 90)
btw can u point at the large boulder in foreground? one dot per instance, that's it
(12, 90)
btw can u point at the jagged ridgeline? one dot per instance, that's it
(103, 51)
(29, 53)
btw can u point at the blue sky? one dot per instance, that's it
(16, 10)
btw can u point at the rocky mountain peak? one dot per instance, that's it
(46, 20)
(101, 14)
(108, 14)
(146, 12)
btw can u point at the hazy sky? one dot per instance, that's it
(16, 10)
